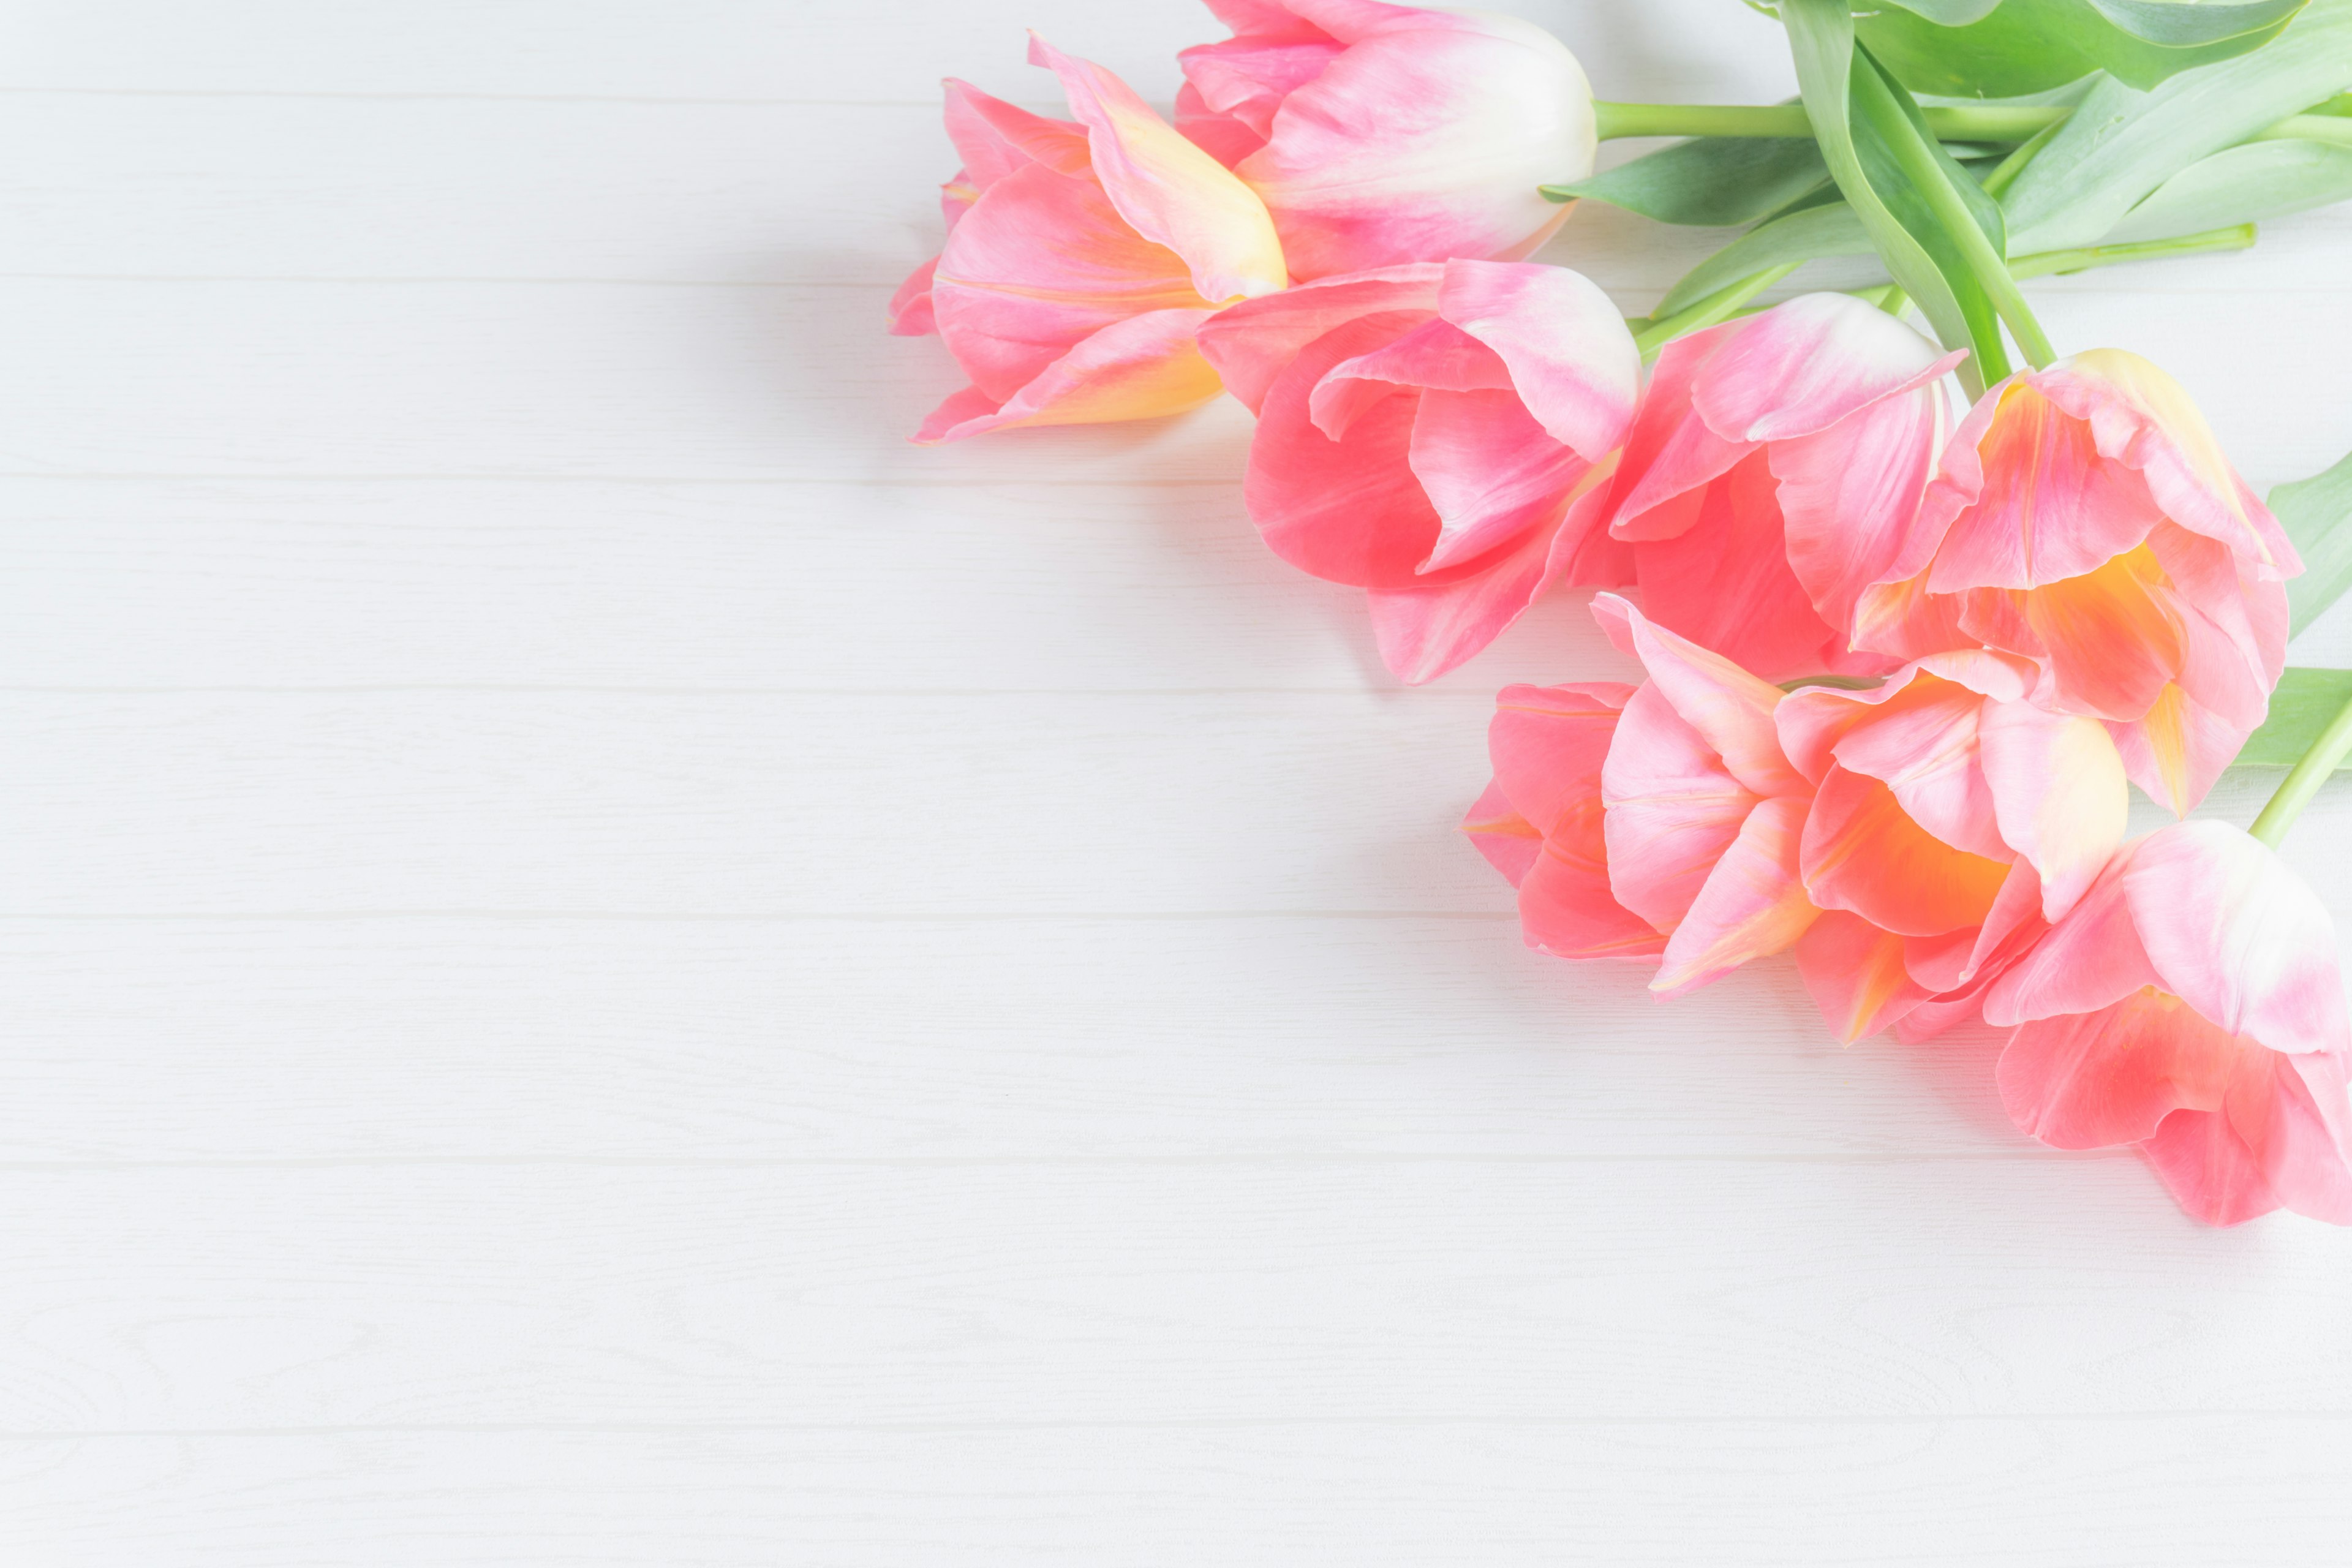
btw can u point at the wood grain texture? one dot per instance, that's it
(606, 963)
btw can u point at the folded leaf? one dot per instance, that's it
(2317, 513)
(2239, 185)
(1714, 180)
(2303, 704)
(1802, 235)
(2029, 45)
(2121, 145)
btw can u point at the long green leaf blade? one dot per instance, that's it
(2240, 184)
(2317, 513)
(1711, 181)
(2304, 702)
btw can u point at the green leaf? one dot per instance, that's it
(2239, 185)
(2121, 145)
(1820, 38)
(2317, 513)
(2029, 46)
(2305, 702)
(1713, 181)
(1802, 235)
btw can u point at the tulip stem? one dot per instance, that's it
(2303, 780)
(1988, 122)
(2041, 264)
(1719, 306)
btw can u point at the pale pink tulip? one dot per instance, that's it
(2190, 1003)
(2085, 516)
(1081, 259)
(1952, 820)
(1771, 475)
(1438, 434)
(1380, 134)
(1660, 822)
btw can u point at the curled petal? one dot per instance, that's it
(1565, 908)
(911, 307)
(1348, 510)
(1252, 342)
(1855, 974)
(994, 138)
(1570, 359)
(1726, 584)
(2087, 961)
(2277, 1142)
(1731, 709)
(1863, 852)
(1490, 470)
(1923, 745)
(1752, 905)
(2177, 748)
(1670, 452)
(1547, 743)
(1847, 494)
(2084, 1081)
(1136, 369)
(1169, 190)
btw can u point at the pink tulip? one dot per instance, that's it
(1952, 821)
(2085, 516)
(1769, 477)
(2190, 1003)
(1380, 134)
(1081, 259)
(1660, 823)
(1437, 434)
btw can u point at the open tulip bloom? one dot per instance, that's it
(1903, 656)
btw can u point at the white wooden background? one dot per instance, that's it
(603, 962)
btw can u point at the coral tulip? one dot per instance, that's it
(1952, 820)
(1380, 134)
(1437, 434)
(2190, 1003)
(1660, 822)
(1081, 259)
(2083, 516)
(1770, 474)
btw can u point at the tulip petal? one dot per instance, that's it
(1139, 368)
(1426, 629)
(1433, 354)
(2032, 500)
(1809, 363)
(2058, 790)
(1672, 809)
(1424, 142)
(1726, 583)
(1547, 743)
(1346, 510)
(1245, 78)
(1509, 842)
(1565, 908)
(2278, 1142)
(2239, 936)
(1669, 450)
(1922, 745)
(2113, 637)
(1570, 359)
(1038, 265)
(1863, 852)
(1168, 190)
(1848, 494)
(1854, 973)
(1490, 470)
(910, 307)
(1752, 905)
(1724, 703)
(1252, 342)
(2089, 961)
(994, 138)
(2085, 1080)
(2177, 750)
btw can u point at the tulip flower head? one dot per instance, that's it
(1436, 433)
(1380, 134)
(1661, 821)
(2085, 516)
(1952, 821)
(1082, 257)
(2190, 1003)
(1769, 476)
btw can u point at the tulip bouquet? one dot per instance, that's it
(1903, 662)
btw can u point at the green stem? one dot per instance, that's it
(2005, 172)
(1990, 123)
(2305, 780)
(1917, 159)
(2042, 263)
(1993, 122)
(1719, 306)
